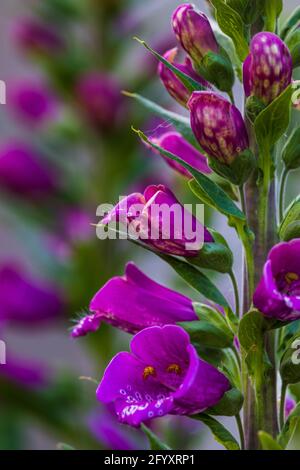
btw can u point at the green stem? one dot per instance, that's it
(241, 431)
(247, 244)
(282, 193)
(236, 293)
(236, 355)
(282, 404)
(264, 200)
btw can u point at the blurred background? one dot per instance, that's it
(66, 146)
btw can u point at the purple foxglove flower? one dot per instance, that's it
(161, 375)
(33, 36)
(172, 84)
(218, 126)
(177, 234)
(278, 293)
(27, 301)
(268, 69)
(100, 98)
(33, 102)
(23, 373)
(23, 172)
(134, 302)
(289, 407)
(193, 31)
(174, 142)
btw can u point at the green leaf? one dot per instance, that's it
(230, 405)
(252, 330)
(290, 225)
(231, 24)
(214, 256)
(289, 427)
(267, 441)
(293, 42)
(290, 23)
(291, 150)
(220, 433)
(196, 279)
(206, 334)
(181, 124)
(215, 317)
(290, 361)
(154, 441)
(247, 9)
(273, 121)
(213, 192)
(271, 11)
(186, 80)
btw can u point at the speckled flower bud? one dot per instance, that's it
(194, 32)
(172, 83)
(268, 69)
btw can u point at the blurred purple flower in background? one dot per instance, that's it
(35, 37)
(172, 84)
(218, 126)
(23, 172)
(27, 301)
(161, 375)
(193, 30)
(33, 102)
(101, 99)
(268, 69)
(133, 302)
(174, 142)
(278, 293)
(27, 374)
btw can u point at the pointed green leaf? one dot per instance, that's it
(290, 361)
(290, 23)
(186, 80)
(213, 192)
(229, 405)
(220, 433)
(289, 427)
(268, 442)
(181, 123)
(154, 441)
(231, 24)
(271, 11)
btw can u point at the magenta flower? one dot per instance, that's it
(278, 293)
(134, 302)
(34, 36)
(159, 220)
(268, 68)
(172, 84)
(218, 126)
(100, 98)
(161, 375)
(23, 172)
(174, 142)
(194, 32)
(289, 406)
(26, 301)
(33, 102)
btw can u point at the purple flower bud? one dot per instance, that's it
(194, 32)
(161, 375)
(118, 303)
(174, 142)
(26, 301)
(218, 126)
(100, 98)
(278, 293)
(33, 102)
(268, 69)
(172, 84)
(33, 36)
(289, 407)
(23, 172)
(178, 232)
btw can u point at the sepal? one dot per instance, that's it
(239, 171)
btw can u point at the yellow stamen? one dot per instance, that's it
(291, 277)
(149, 370)
(174, 368)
